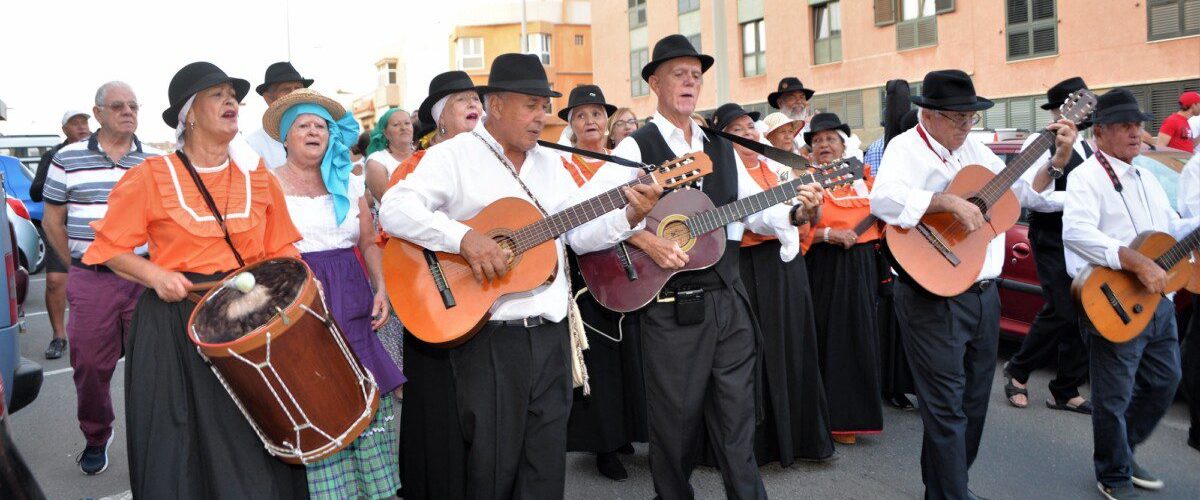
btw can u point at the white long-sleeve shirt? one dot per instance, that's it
(462, 176)
(912, 171)
(774, 221)
(270, 150)
(1188, 192)
(1098, 220)
(1051, 201)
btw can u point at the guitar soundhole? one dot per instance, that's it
(507, 243)
(978, 202)
(677, 232)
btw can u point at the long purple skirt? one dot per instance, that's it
(348, 295)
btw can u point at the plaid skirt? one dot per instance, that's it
(368, 468)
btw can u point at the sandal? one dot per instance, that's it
(1084, 408)
(1011, 390)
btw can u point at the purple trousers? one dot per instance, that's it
(102, 306)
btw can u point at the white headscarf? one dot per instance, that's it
(240, 151)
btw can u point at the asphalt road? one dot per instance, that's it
(1035, 453)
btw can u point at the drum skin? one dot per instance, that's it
(305, 378)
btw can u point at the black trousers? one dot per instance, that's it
(701, 378)
(951, 345)
(514, 395)
(1191, 370)
(1054, 336)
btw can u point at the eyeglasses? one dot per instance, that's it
(116, 107)
(964, 121)
(632, 122)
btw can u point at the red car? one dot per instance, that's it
(1020, 290)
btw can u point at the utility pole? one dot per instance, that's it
(524, 35)
(722, 69)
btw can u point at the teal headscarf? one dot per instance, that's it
(379, 142)
(336, 166)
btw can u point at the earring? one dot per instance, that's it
(192, 124)
(441, 130)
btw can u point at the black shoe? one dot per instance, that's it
(972, 496)
(1194, 442)
(900, 402)
(1142, 478)
(94, 459)
(1117, 493)
(626, 449)
(610, 466)
(57, 346)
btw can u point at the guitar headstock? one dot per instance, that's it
(839, 173)
(1078, 105)
(683, 170)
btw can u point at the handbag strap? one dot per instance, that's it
(212, 205)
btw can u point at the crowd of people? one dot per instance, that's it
(785, 349)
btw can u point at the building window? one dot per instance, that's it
(847, 105)
(689, 22)
(637, 59)
(387, 73)
(918, 24)
(885, 10)
(1161, 99)
(470, 53)
(1022, 113)
(686, 6)
(827, 33)
(1032, 28)
(539, 45)
(1172, 18)
(637, 13)
(754, 48)
(578, 39)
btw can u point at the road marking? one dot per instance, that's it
(37, 279)
(69, 369)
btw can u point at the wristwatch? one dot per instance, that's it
(1053, 171)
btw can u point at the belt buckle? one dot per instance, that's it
(663, 297)
(983, 285)
(530, 321)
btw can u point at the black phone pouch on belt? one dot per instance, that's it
(689, 306)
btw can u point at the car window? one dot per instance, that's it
(1167, 177)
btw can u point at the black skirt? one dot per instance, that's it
(615, 413)
(845, 284)
(795, 421)
(186, 437)
(433, 451)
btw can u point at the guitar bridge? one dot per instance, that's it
(938, 243)
(1115, 303)
(439, 279)
(626, 262)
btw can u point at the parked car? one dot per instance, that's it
(16, 479)
(1020, 290)
(30, 246)
(18, 176)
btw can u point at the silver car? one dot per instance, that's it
(29, 242)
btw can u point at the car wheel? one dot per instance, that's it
(41, 263)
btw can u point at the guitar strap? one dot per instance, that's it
(1116, 182)
(579, 341)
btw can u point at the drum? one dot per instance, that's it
(284, 361)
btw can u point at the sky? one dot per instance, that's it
(57, 53)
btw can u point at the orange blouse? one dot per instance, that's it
(766, 179)
(580, 169)
(406, 167)
(844, 208)
(157, 203)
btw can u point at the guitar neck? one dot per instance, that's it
(1179, 250)
(556, 224)
(995, 188)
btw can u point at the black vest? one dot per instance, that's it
(721, 186)
(1053, 220)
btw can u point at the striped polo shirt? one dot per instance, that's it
(80, 177)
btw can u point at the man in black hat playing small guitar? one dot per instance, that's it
(280, 79)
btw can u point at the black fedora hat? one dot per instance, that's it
(520, 73)
(193, 78)
(823, 122)
(788, 84)
(586, 94)
(671, 47)
(949, 90)
(1059, 93)
(727, 113)
(281, 72)
(450, 82)
(1119, 106)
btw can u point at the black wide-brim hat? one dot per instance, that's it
(1119, 106)
(949, 90)
(788, 84)
(281, 72)
(520, 73)
(673, 47)
(1059, 93)
(823, 122)
(727, 113)
(450, 82)
(586, 94)
(193, 78)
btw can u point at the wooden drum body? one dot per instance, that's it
(294, 377)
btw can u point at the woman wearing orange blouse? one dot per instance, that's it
(844, 275)
(186, 438)
(796, 420)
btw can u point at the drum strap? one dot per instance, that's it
(212, 205)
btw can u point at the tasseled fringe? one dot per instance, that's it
(579, 343)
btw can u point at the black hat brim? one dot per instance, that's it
(262, 88)
(533, 91)
(425, 112)
(754, 116)
(811, 132)
(240, 88)
(706, 61)
(773, 97)
(1122, 116)
(566, 112)
(977, 104)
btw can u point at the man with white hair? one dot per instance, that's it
(80, 178)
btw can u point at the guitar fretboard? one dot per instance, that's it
(1179, 250)
(718, 217)
(554, 225)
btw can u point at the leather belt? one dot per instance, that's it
(530, 322)
(99, 268)
(980, 286)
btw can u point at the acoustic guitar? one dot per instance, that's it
(939, 253)
(1116, 303)
(624, 278)
(436, 295)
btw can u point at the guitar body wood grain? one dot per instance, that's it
(1138, 304)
